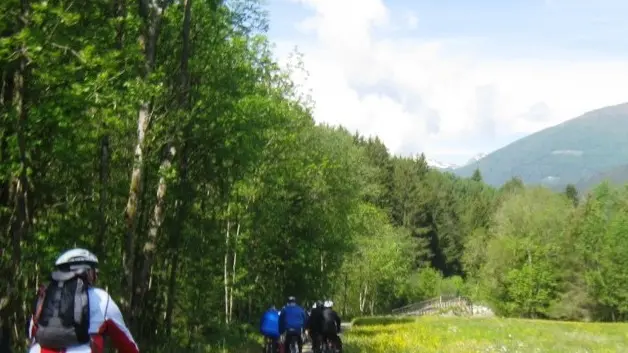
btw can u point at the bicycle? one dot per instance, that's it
(270, 345)
(328, 346)
(305, 337)
(293, 345)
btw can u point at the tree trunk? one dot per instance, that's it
(322, 263)
(344, 301)
(363, 297)
(172, 283)
(184, 93)
(156, 221)
(151, 17)
(120, 8)
(7, 89)
(103, 199)
(373, 299)
(120, 12)
(185, 188)
(21, 216)
(226, 270)
(233, 271)
(6, 98)
(175, 239)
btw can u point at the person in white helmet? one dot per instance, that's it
(331, 325)
(73, 316)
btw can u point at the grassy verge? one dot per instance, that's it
(240, 339)
(380, 320)
(466, 335)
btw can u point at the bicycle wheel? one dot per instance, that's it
(294, 346)
(328, 347)
(270, 346)
(266, 348)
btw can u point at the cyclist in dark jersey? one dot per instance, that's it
(314, 325)
(331, 325)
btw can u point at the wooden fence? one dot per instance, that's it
(435, 305)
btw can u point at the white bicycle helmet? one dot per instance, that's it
(77, 258)
(329, 303)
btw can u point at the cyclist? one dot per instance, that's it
(308, 334)
(331, 325)
(73, 316)
(292, 320)
(314, 325)
(269, 326)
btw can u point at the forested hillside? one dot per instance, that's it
(569, 153)
(164, 137)
(616, 176)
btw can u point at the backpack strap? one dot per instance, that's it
(80, 300)
(41, 295)
(55, 312)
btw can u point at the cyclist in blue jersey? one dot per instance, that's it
(269, 326)
(292, 321)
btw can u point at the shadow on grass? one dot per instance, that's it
(245, 346)
(235, 339)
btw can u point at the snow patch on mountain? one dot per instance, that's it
(476, 158)
(451, 166)
(576, 153)
(439, 165)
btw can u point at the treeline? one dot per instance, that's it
(526, 251)
(556, 256)
(164, 136)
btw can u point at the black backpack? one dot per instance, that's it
(62, 313)
(328, 321)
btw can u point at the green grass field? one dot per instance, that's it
(466, 335)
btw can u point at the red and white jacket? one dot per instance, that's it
(105, 319)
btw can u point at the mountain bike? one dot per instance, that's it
(270, 345)
(305, 337)
(328, 346)
(293, 346)
(315, 338)
(292, 343)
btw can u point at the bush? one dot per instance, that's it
(452, 286)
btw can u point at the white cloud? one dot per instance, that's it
(437, 83)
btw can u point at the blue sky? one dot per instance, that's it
(455, 78)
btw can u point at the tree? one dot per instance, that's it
(523, 253)
(477, 175)
(572, 194)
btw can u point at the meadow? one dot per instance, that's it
(466, 335)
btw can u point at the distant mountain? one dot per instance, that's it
(571, 152)
(617, 176)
